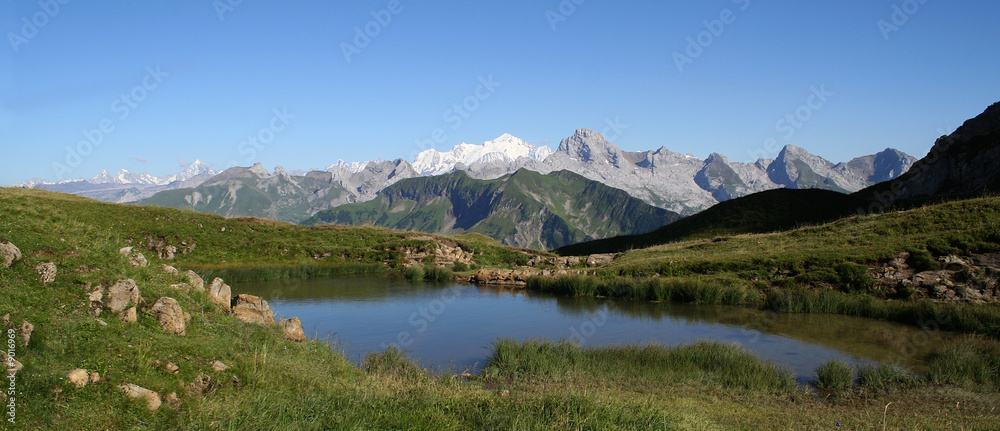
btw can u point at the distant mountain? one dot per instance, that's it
(255, 192)
(683, 183)
(504, 150)
(126, 186)
(525, 209)
(966, 162)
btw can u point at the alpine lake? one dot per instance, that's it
(448, 327)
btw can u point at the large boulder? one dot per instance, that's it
(121, 295)
(170, 315)
(253, 309)
(168, 269)
(293, 329)
(9, 253)
(46, 272)
(195, 280)
(153, 400)
(78, 377)
(220, 292)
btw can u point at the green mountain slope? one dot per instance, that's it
(768, 211)
(524, 209)
(254, 192)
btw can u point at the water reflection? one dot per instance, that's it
(445, 325)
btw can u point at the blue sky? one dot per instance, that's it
(177, 81)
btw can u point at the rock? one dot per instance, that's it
(219, 366)
(125, 251)
(96, 298)
(130, 315)
(181, 286)
(196, 282)
(9, 363)
(46, 272)
(172, 400)
(170, 315)
(933, 278)
(187, 318)
(5, 319)
(293, 329)
(101, 322)
(953, 262)
(252, 309)
(26, 330)
(78, 377)
(171, 367)
(168, 269)
(153, 400)
(9, 253)
(95, 378)
(163, 250)
(121, 295)
(138, 260)
(201, 386)
(595, 260)
(220, 293)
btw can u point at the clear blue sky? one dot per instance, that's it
(605, 60)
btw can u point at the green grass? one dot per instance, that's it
(273, 383)
(834, 375)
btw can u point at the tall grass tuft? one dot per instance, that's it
(885, 377)
(687, 290)
(392, 361)
(971, 362)
(834, 375)
(245, 273)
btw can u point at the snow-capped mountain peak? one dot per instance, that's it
(506, 148)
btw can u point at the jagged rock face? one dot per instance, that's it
(967, 162)
(220, 293)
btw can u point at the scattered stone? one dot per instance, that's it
(170, 315)
(196, 282)
(172, 400)
(293, 329)
(219, 366)
(101, 322)
(138, 260)
(181, 286)
(9, 363)
(6, 319)
(220, 292)
(153, 400)
(171, 367)
(201, 386)
(9, 253)
(130, 315)
(168, 269)
(596, 260)
(46, 272)
(122, 294)
(78, 377)
(125, 251)
(252, 309)
(26, 330)
(95, 378)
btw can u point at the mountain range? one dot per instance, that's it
(126, 186)
(524, 209)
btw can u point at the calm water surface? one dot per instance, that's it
(452, 325)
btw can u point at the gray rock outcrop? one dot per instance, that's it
(220, 293)
(253, 309)
(170, 315)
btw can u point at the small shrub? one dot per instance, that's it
(940, 247)
(414, 273)
(854, 277)
(834, 375)
(921, 260)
